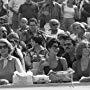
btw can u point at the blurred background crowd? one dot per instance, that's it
(44, 35)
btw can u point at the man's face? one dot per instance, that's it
(33, 26)
(23, 23)
(68, 45)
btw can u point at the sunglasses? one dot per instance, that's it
(67, 44)
(33, 25)
(55, 46)
(54, 24)
(5, 46)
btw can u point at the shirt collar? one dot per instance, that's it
(8, 58)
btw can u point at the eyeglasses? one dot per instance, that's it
(5, 46)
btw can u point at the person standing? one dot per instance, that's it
(49, 10)
(28, 10)
(70, 13)
(13, 6)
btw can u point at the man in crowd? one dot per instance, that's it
(28, 10)
(50, 10)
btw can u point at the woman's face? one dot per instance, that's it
(54, 49)
(33, 26)
(3, 49)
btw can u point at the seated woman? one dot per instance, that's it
(82, 64)
(8, 63)
(53, 62)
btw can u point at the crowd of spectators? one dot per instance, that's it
(44, 36)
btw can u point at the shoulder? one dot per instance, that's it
(57, 4)
(74, 6)
(35, 4)
(22, 5)
(13, 58)
(60, 31)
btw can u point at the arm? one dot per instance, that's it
(75, 75)
(18, 66)
(20, 13)
(77, 14)
(11, 5)
(64, 63)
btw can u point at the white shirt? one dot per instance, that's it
(69, 12)
(15, 4)
(5, 1)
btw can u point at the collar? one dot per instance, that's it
(9, 57)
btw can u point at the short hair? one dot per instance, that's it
(54, 21)
(38, 39)
(77, 24)
(33, 20)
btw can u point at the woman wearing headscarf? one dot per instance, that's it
(8, 63)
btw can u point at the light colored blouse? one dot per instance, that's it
(69, 12)
(8, 66)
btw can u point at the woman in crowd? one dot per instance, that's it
(77, 31)
(69, 13)
(53, 62)
(8, 63)
(82, 63)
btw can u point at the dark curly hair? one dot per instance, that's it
(51, 42)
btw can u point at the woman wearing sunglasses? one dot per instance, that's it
(82, 63)
(8, 63)
(52, 61)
